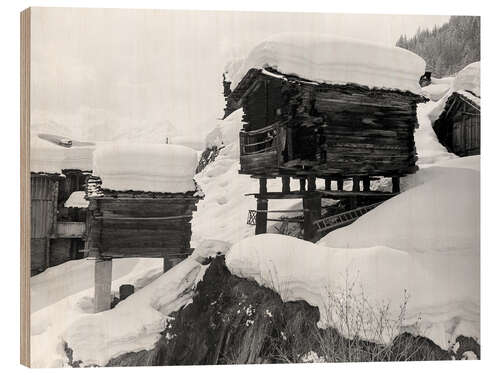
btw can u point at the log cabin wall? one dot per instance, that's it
(44, 193)
(292, 125)
(124, 225)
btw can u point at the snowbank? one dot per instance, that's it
(331, 59)
(77, 200)
(442, 289)
(50, 158)
(136, 323)
(145, 167)
(226, 131)
(429, 149)
(63, 294)
(222, 214)
(438, 213)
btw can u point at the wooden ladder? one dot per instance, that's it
(343, 219)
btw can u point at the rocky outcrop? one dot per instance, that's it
(233, 320)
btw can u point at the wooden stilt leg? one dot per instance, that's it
(355, 184)
(102, 284)
(302, 184)
(395, 185)
(261, 217)
(328, 184)
(340, 184)
(312, 212)
(285, 182)
(366, 183)
(262, 185)
(311, 183)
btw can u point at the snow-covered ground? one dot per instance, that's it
(331, 59)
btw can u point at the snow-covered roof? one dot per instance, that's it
(469, 79)
(76, 200)
(467, 83)
(334, 60)
(146, 167)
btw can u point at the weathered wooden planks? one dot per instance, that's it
(346, 130)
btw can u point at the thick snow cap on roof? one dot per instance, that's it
(335, 60)
(469, 79)
(145, 167)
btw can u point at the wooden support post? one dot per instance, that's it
(285, 182)
(262, 185)
(355, 184)
(102, 284)
(395, 185)
(340, 184)
(366, 183)
(302, 184)
(261, 217)
(312, 207)
(311, 183)
(328, 184)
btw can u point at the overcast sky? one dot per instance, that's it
(104, 66)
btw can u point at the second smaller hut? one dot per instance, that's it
(141, 205)
(458, 114)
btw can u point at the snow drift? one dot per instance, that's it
(442, 289)
(145, 167)
(331, 59)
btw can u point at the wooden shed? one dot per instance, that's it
(297, 128)
(294, 126)
(44, 194)
(125, 224)
(57, 232)
(459, 125)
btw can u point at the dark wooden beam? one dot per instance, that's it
(328, 184)
(311, 183)
(366, 183)
(261, 217)
(285, 183)
(340, 184)
(395, 185)
(302, 184)
(262, 185)
(355, 184)
(312, 212)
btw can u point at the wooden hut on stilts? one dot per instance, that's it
(300, 128)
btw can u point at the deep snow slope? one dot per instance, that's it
(222, 214)
(439, 291)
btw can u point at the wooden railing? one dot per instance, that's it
(259, 141)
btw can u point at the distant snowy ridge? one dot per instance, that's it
(334, 60)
